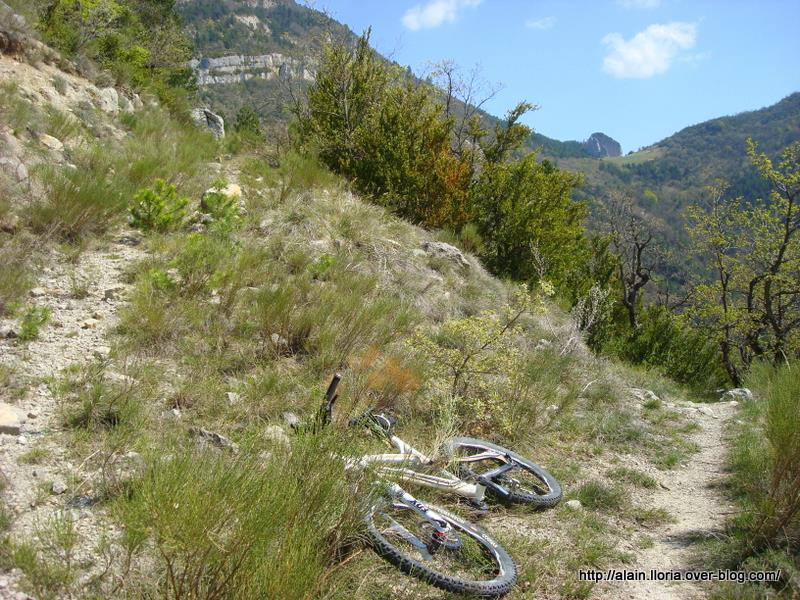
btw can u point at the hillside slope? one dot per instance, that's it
(670, 175)
(128, 345)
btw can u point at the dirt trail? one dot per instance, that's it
(84, 299)
(692, 495)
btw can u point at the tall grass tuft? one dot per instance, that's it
(765, 460)
(245, 527)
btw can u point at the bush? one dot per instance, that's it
(158, 208)
(140, 43)
(32, 321)
(665, 341)
(16, 276)
(765, 460)
(244, 527)
(393, 138)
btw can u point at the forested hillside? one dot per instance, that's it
(668, 176)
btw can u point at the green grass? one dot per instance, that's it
(765, 482)
(213, 519)
(633, 477)
(34, 456)
(599, 496)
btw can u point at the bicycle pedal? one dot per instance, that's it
(478, 508)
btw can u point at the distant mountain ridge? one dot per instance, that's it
(246, 48)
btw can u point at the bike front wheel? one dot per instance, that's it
(468, 562)
(510, 476)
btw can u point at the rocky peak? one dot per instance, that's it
(600, 145)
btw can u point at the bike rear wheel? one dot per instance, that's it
(525, 483)
(470, 562)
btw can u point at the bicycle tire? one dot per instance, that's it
(550, 498)
(383, 543)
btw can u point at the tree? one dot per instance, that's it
(632, 241)
(752, 307)
(369, 122)
(524, 208)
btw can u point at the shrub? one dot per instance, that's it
(16, 275)
(214, 521)
(78, 202)
(32, 321)
(765, 460)
(665, 341)
(158, 208)
(140, 43)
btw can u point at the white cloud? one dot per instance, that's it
(544, 23)
(434, 13)
(649, 52)
(639, 3)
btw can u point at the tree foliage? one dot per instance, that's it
(752, 305)
(401, 143)
(141, 42)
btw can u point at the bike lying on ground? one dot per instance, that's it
(429, 542)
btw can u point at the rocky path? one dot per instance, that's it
(83, 299)
(692, 495)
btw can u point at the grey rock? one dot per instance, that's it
(109, 100)
(600, 145)
(7, 332)
(131, 238)
(203, 117)
(275, 433)
(643, 395)
(14, 167)
(102, 352)
(737, 394)
(573, 504)
(215, 439)
(172, 413)
(51, 143)
(706, 411)
(278, 340)
(114, 292)
(59, 487)
(11, 419)
(125, 104)
(232, 397)
(291, 419)
(447, 252)
(22, 440)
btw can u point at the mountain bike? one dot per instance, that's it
(430, 542)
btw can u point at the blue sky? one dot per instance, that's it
(637, 70)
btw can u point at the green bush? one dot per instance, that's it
(667, 342)
(141, 43)
(16, 276)
(244, 527)
(33, 319)
(158, 208)
(765, 462)
(393, 138)
(78, 202)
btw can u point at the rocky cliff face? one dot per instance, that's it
(239, 68)
(600, 145)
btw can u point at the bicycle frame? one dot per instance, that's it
(409, 459)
